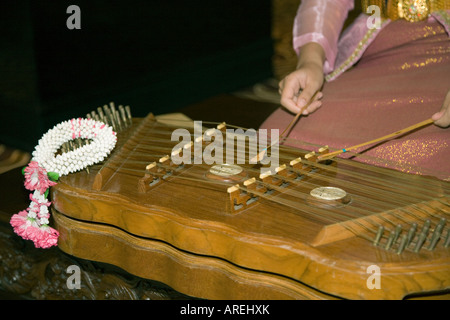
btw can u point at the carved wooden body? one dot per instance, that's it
(248, 236)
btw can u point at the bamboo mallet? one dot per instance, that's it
(260, 155)
(386, 137)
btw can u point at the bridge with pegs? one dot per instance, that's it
(306, 229)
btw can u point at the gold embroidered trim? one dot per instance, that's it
(444, 16)
(362, 45)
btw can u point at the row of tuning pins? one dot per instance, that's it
(118, 118)
(414, 239)
(73, 144)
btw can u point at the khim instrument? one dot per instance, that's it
(311, 230)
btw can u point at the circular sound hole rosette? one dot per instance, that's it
(329, 196)
(226, 172)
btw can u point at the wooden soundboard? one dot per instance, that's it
(338, 229)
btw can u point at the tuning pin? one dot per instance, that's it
(116, 117)
(403, 244)
(447, 239)
(378, 236)
(128, 113)
(112, 106)
(110, 116)
(411, 233)
(426, 226)
(437, 234)
(442, 223)
(434, 240)
(398, 230)
(420, 241)
(101, 114)
(390, 240)
(123, 116)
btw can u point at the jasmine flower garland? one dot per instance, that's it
(46, 167)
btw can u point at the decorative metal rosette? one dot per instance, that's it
(414, 10)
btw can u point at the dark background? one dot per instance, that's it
(156, 56)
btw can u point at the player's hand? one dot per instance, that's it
(442, 118)
(299, 87)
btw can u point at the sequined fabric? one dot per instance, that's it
(401, 79)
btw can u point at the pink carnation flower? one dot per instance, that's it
(46, 237)
(20, 223)
(36, 178)
(43, 236)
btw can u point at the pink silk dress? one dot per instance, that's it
(378, 82)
